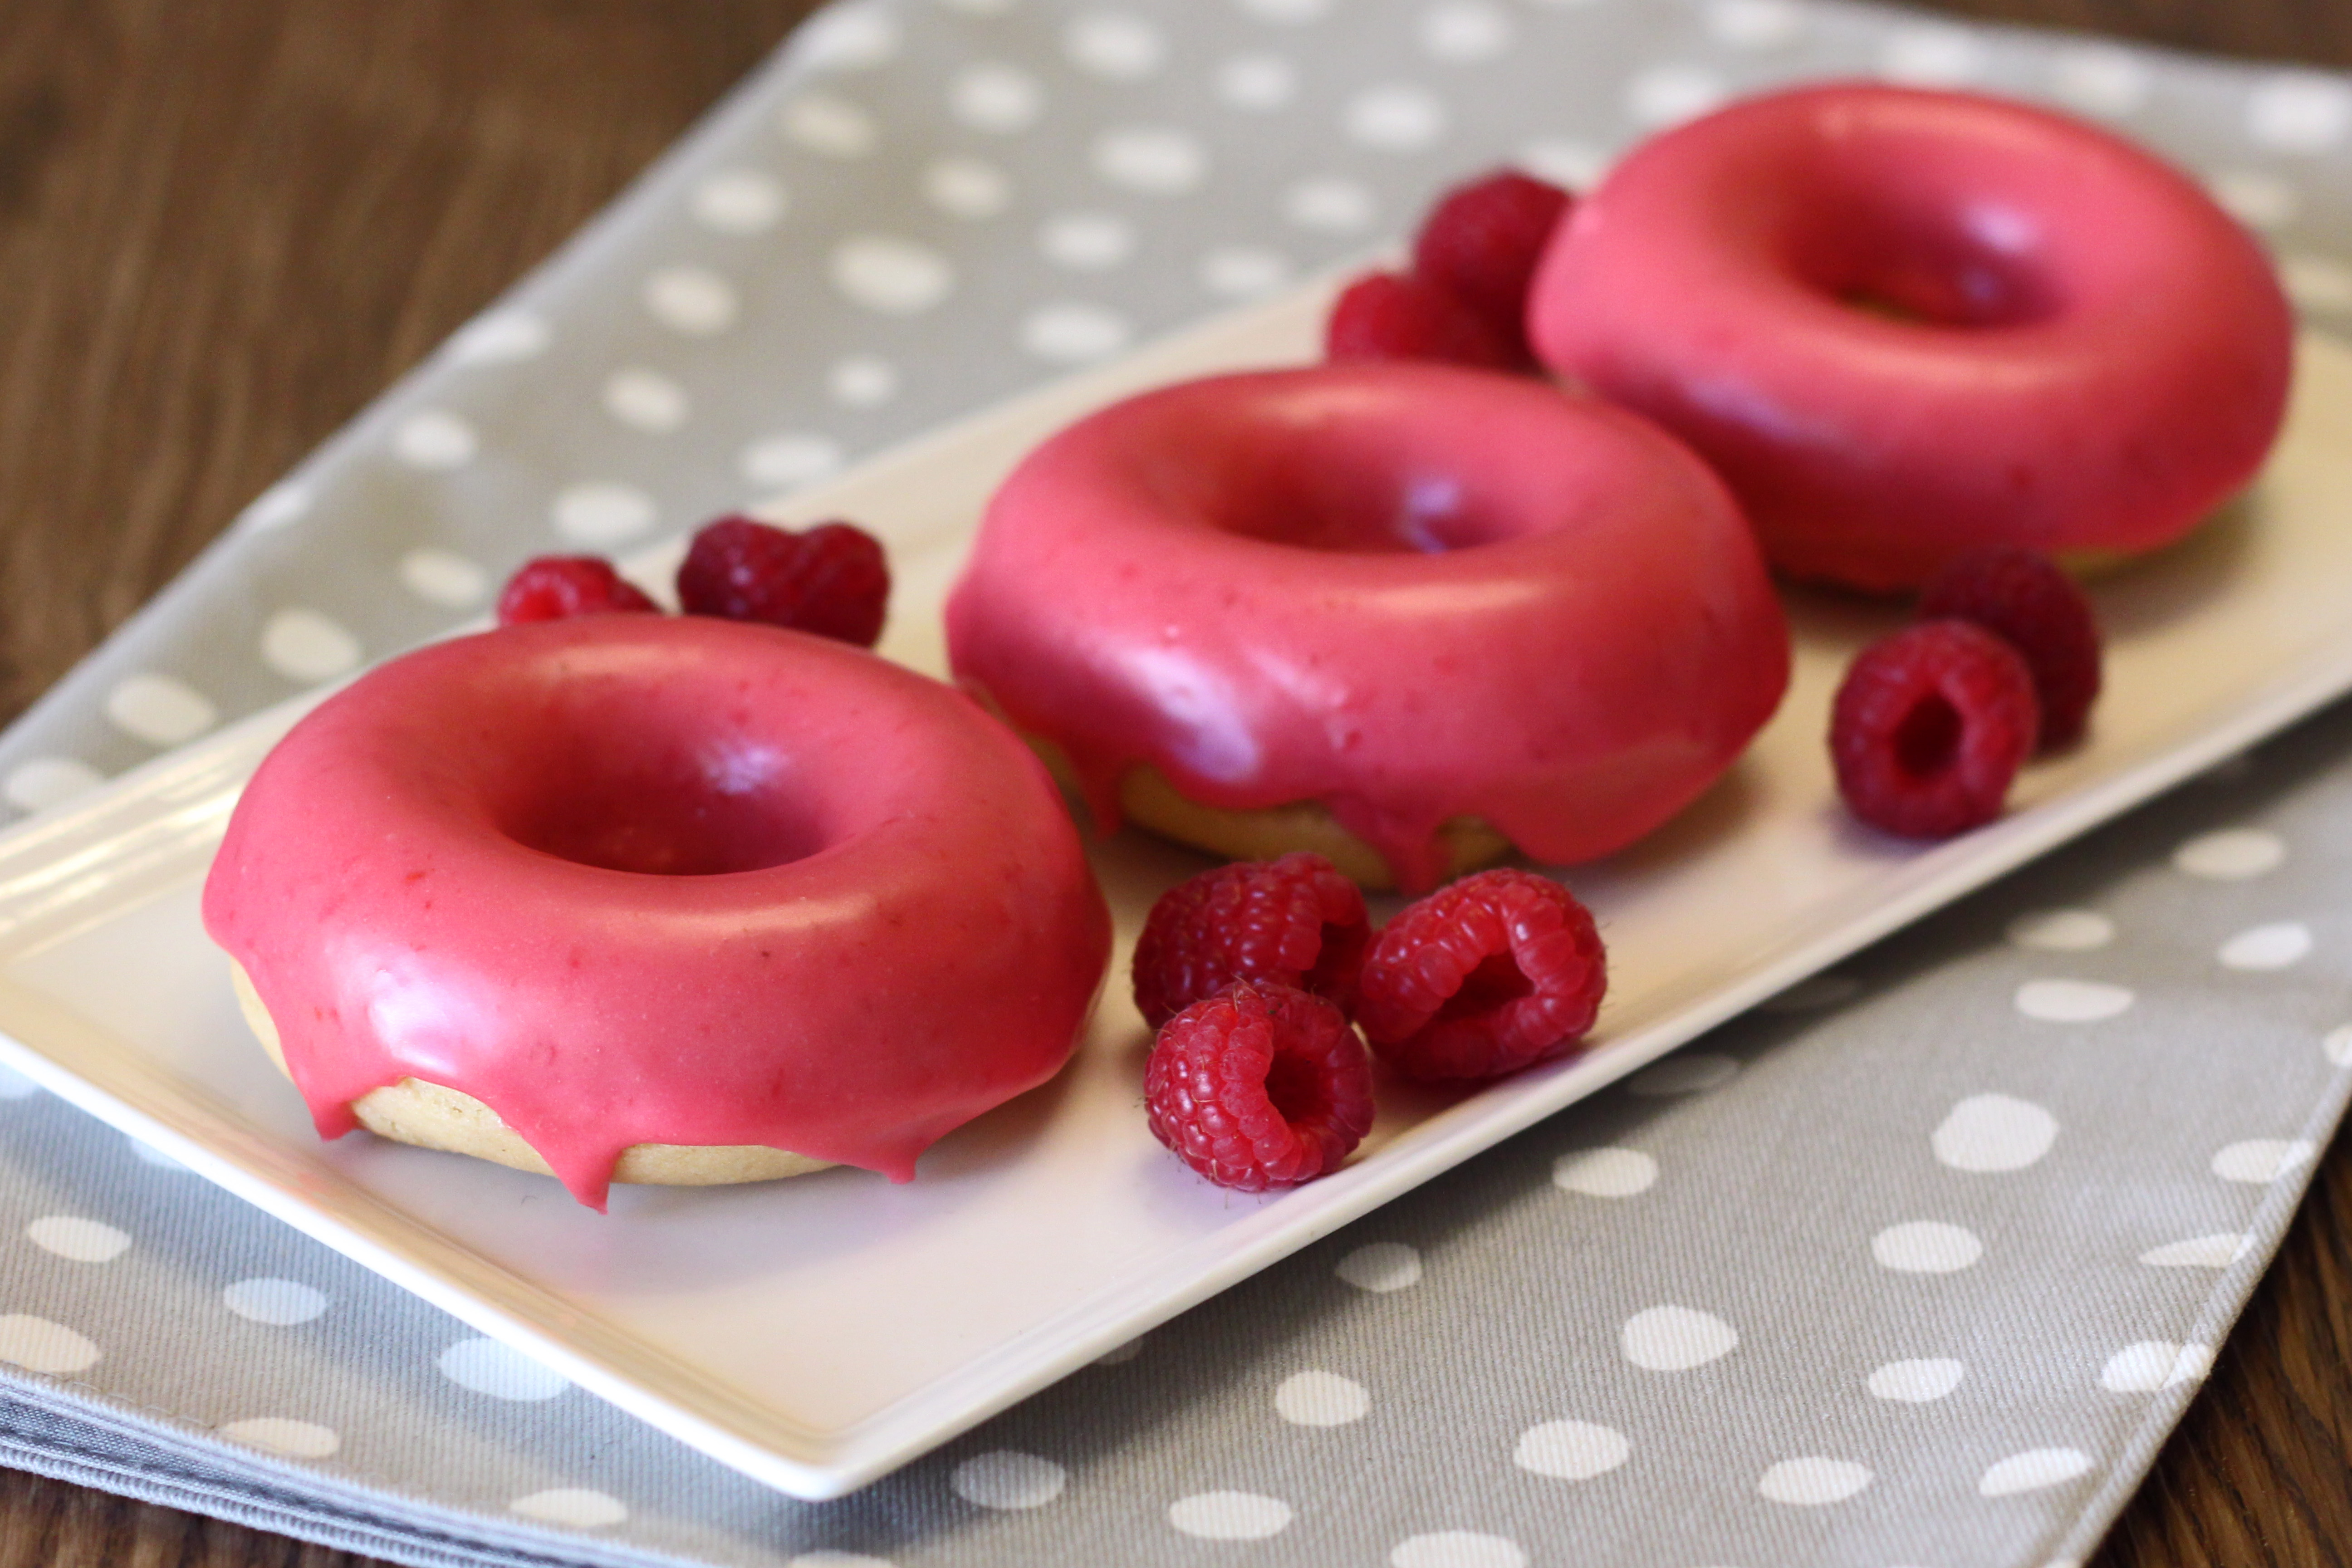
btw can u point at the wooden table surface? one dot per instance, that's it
(225, 224)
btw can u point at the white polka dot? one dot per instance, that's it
(2256, 197)
(435, 438)
(146, 1153)
(1676, 1339)
(500, 1371)
(862, 381)
(969, 188)
(159, 710)
(1755, 23)
(14, 1085)
(1260, 83)
(1571, 1450)
(1917, 1382)
(2337, 1044)
(1994, 1132)
(1575, 164)
(848, 38)
(1459, 1549)
(279, 1302)
(81, 1240)
(1812, 1481)
(1286, 13)
(38, 1344)
(1667, 95)
(645, 400)
(597, 514)
(1394, 118)
(1925, 1246)
(1330, 205)
(1931, 57)
(443, 577)
(2279, 945)
(2071, 1001)
(1605, 1173)
(2190, 1365)
(1120, 1355)
(1813, 994)
(501, 337)
(992, 96)
(1462, 31)
(2317, 282)
(303, 645)
(2142, 1367)
(2230, 856)
(691, 300)
(1008, 1478)
(1230, 1515)
(1073, 332)
(1693, 1072)
(2062, 931)
(1114, 45)
(2216, 1251)
(1321, 1399)
(2259, 1160)
(1243, 272)
(790, 460)
(837, 1560)
(576, 1506)
(1384, 1265)
(295, 1439)
(37, 783)
(2101, 79)
(889, 276)
(832, 127)
(2033, 1470)
(738, 201)
(1086, 241)
(1156, 160)
(2299, 113)
(279, 506)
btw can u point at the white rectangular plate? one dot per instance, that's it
(818, 1333)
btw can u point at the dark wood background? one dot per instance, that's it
(225, 224)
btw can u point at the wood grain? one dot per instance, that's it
(225, 226)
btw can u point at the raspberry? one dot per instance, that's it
(1930, 726)
(1484, 977)
(1481, 243)
(831, 580)
(2043, 614)
(1384, 316)
(1259, 1086)
(556, 587)
(1294, 921)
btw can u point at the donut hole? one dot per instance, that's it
(1332, 494)
(1927, 741)
(664, 804)
(1964, 265)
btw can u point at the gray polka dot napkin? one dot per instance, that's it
(1919, 1264)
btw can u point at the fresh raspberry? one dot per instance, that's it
(1481, 243)
(1292, 921)
(1930, 726)
(831, 580)
(2022, 596)
(556, 587)
(1482, 978)
(1259, 1086)
(1382, 315)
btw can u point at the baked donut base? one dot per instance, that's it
(1149, 800)
(433, 1117)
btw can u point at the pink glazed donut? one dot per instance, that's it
(641, 882)
(1359, 607)
(1904, 324)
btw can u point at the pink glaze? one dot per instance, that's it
(1410, 592)
(1905, 323)
(637, 878)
